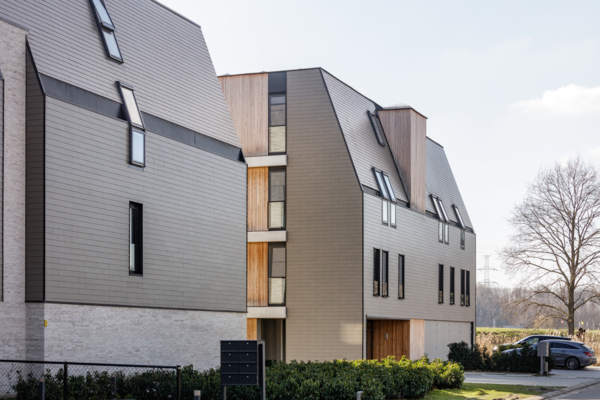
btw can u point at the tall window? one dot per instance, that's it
(137, 133)
(462, 287)
(444, 224)
(277, 273)
(276, 198)
(452, 285)
(440, 283)
(401, 276)
(135, 238)
(106, 28)
(376, 271)
(392, 214)
(384, 212)
(462, 239)
(384, 273)
(377, 128)
(277, 123)
(468, 287)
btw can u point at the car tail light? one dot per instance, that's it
(587, 353)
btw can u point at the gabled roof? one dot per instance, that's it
(440, 182)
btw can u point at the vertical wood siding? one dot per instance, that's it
(247, 97)
(258, 198)
(252, 328)
(258, 274)
(397, 343)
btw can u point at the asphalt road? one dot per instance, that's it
(589, 393)
(558, 378)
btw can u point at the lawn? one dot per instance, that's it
(487, 391)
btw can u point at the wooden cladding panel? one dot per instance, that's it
(406, 133)
(258, 274)
(247, 97)
(397, 343)
(252, 329)
(417, 338)
(258, 199)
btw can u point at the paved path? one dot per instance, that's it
(558, 377)
(589, 393)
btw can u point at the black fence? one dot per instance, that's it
(77, 380)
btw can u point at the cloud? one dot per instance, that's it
(567, 100)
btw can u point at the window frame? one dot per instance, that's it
(380, 183)
(133, 130)
(452, 282)
(447, 233)
(440, 231)
(385, 273)
(110, 28)
(126, 86)
(459, 216)
(284, 94)
(388, 185)
(136, 233)
(277, 169)
(443, 210)
(377, 128)
(440, 283)
(270, 272)
(393, 215)
(376, 272)
(385, 217)
(401, 277)
(436, 207)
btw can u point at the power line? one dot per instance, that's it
(486, 271)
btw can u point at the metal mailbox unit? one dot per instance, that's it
(243, 364)
(543, 351)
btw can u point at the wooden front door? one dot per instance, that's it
(388, 338)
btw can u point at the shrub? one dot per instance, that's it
(470, 359)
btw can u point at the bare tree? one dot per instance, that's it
(555, 249)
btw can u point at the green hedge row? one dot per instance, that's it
(477, 359)
(336, 380)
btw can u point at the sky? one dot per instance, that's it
(508, 87)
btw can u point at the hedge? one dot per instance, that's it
(477, 359)
(335, 380)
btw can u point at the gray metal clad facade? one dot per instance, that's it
(351, 109)
(166, 58)
(194, 218)
(440, 182)
(324, 225)
(1, 188)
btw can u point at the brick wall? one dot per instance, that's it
(12, 309)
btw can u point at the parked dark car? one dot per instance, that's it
(534, 339)
(568, 354)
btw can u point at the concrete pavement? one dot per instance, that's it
(557, 378)
(588, 393)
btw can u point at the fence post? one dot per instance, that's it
(179, 382)
(113, 379)
(66, 382)
(359, 395)
(42, 389)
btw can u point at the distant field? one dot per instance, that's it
(490, 337)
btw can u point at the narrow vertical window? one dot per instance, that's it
(132, 111)
(462, 287)
(277, 273)
(382, 189)
(452, 285)
(137, 133)
(459, 217)
(384, 211)
(388, 186)
(468, 288)
(400, 276)
(440, 283)
(276, 198)
(135, 239)
(384, 273)
(447, 233)
(377, 128)
(106, 28)
(376, 271)
(277, 124)
(462, 239)
(393, 214)
(137, 147)
(441, 232)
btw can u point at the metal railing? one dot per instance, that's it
(79, 380)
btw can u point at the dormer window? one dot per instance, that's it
(443, 225)
(106, 28)
(388, 186)
(377, 128)
(459, 217)
(379, 177)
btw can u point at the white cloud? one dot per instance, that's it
(567, 100)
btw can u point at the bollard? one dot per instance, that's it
(359, 395)
(197, 394)
(113, 379)
(42, 389)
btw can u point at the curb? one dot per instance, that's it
(565, 390)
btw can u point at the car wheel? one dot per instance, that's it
(572, 363)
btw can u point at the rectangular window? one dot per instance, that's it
(277, 124)
(384, 211)
(376, 271)
(277, 273)
(276, 198)
(462, 239)
(452, 285)
(441, 232)
(132, 111)
(447, 233)
(393, 214)
(135, 239)
(107, 30)
(137, 148)
(468, 288)
(440, 283)
(377, 128)
(462, 287)
(388, 186)
(380, 183)
(401, 276)
(384, 273)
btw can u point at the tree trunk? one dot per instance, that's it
(571, 309)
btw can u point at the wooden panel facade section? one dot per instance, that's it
(258, 199)
(247, 97)
(417, 338)
(397, 342)
(252, 329)
(258, 274)
(406, 133)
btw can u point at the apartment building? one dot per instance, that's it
(359, 242)
(123, 187)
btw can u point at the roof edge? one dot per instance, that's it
(433, 141)
(407, 107)
(176, 13)
(8, 21)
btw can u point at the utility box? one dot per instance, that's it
(242, 364)
(543, 349)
